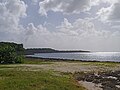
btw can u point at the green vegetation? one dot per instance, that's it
(36, 80)
(36, 61)
(29, 76)
(11, 53)
(18, 47)
(49, 50)
(105, 64)
(39, 50)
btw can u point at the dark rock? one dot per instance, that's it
(108, 80)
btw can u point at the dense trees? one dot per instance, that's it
(11, 53)
(31, 51)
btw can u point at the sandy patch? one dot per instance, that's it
(90, 85)
(66, 67)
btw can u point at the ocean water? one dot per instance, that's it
(92, 56)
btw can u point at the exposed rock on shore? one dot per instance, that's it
(107, 80)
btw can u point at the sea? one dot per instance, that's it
(84, 56)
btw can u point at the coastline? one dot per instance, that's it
(92, 75)
(76, 73)
(58, 59)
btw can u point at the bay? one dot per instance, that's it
(91, 56)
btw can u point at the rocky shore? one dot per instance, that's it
(106, 80)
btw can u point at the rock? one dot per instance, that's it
(109, 80)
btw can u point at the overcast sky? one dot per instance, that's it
(62, 24)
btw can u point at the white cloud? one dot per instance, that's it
(111, 13)
(98, 2)
(71, 6)
(32, 30)
(80, 34)
(104, 13)
(115, 12)
(38, 35)
(10, 13)
(65, 6)
(81, 27)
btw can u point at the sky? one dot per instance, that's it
(62, 24)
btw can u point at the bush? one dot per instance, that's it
(8, 54)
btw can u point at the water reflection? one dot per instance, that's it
(97, 56)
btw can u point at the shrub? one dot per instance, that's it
(9, 54)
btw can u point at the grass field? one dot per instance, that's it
(16, 78)
(38, 74)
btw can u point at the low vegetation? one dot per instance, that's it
(36, 80)
(36, 61)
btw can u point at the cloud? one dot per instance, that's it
(70, 34)
(38, 35)
(65, 6)
(32, 30)
(111, 13)
(10, 13)
(98, 2)
(71, 6)
(81, 27)
(115, 12)
(80, 34)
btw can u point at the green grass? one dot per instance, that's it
(42, 61)
(96, 63)
(36, 61)
(106, 64)
(36, 80)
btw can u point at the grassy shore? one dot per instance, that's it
(39, 80)
(39, 74)
(16, 77)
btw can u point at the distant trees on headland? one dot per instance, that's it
(32, 51)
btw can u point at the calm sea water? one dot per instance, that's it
(93, 56)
